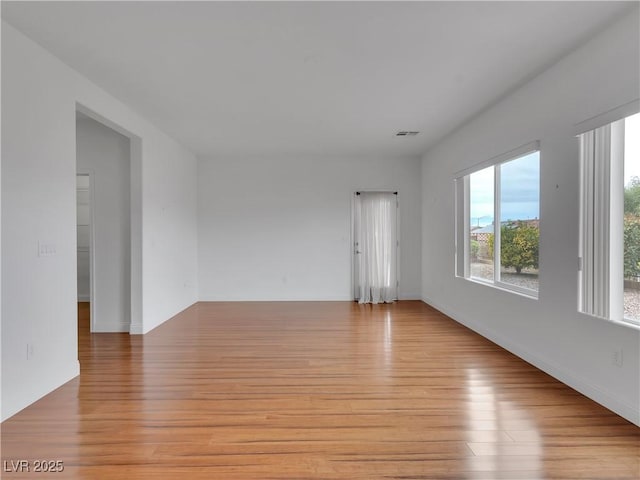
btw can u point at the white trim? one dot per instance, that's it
(353, 246)
(584, 246)
(505, 287)
(136, 329)
(514, 154)
(461, 228)
(103, 120)
(92, 250)
(462, 199)
(410, 296)
(497, 225)
(610, 116)
(114, 328)
(136, 218)
(136, 232)
(354, 197)
(271, 299)
(398, 245)
(627, 322)
(569, 378)
(48, 384)
(616, 221)
(526, 292)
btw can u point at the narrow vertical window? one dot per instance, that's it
(481, 208)
(520, 221)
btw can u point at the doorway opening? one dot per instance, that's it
(375, 247)
(103, 193)
(83, 248)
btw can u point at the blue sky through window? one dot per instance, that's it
(519, 191)
(631, 148)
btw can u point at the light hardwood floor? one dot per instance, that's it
(331, 390)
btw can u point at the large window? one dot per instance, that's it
(610, 221)
(498, 221)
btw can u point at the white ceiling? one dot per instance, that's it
(299, 78)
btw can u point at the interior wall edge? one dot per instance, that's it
(44, 388)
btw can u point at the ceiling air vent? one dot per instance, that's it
(405, 133)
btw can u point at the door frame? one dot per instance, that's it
(92, 294)
(353, 246)
(135, 209)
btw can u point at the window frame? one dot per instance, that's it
(462, 215)
(604, 216)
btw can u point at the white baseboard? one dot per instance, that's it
(410, 296)
(136, 329)
(577, 382)
(52, 382)
(340, 298)
(115, 328)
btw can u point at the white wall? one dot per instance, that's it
(104, 154)
(280, 229)
(549, 332)
(39, 95)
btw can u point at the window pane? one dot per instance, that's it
(481, 223)
(632, 217)
(519, 221)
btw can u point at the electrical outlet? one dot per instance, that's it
(618, 358)
(30, 351)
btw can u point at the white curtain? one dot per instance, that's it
(376, 247)
(594, 153)
(601, 230)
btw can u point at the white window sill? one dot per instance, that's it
(623, 323)
(505, 287)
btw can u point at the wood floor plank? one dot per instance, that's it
(315, 390)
